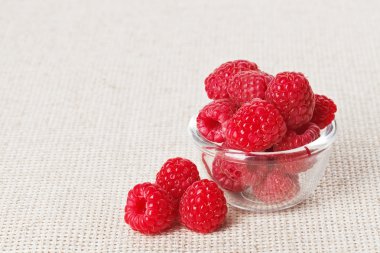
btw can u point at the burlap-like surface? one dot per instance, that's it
(96, 95)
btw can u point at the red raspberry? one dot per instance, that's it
(247, 85)
(216, 83)
(176, 175)
(299, 137)
(256, 126)
(277, 187)
(230, 175)
(291, 93)
(324, 111)
(149, 209)
(258, 174)
(212, 119)
(295, 163)
(203, 207)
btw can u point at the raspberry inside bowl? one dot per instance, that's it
(265, 181)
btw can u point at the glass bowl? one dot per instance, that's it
(265, 181)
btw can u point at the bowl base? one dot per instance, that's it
(245, 201)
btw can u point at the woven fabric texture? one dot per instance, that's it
(96, 95)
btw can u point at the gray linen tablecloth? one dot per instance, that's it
(96, 95)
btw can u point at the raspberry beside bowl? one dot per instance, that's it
(265, 181)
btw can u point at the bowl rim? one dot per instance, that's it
(328, 136)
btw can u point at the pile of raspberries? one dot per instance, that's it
(251, 111)
(177, 194)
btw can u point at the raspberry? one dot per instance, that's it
(299, 137)
(291, 93)
(295, 163)
(277, 187)
(247, 85)
(212, 119)
(176, 175)
(150, 209)
(324, 111)
(256, 126)
(258, 174)
(230, 175)
(216, 83)
(203, 207)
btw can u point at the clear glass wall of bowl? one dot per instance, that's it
(241, 175)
